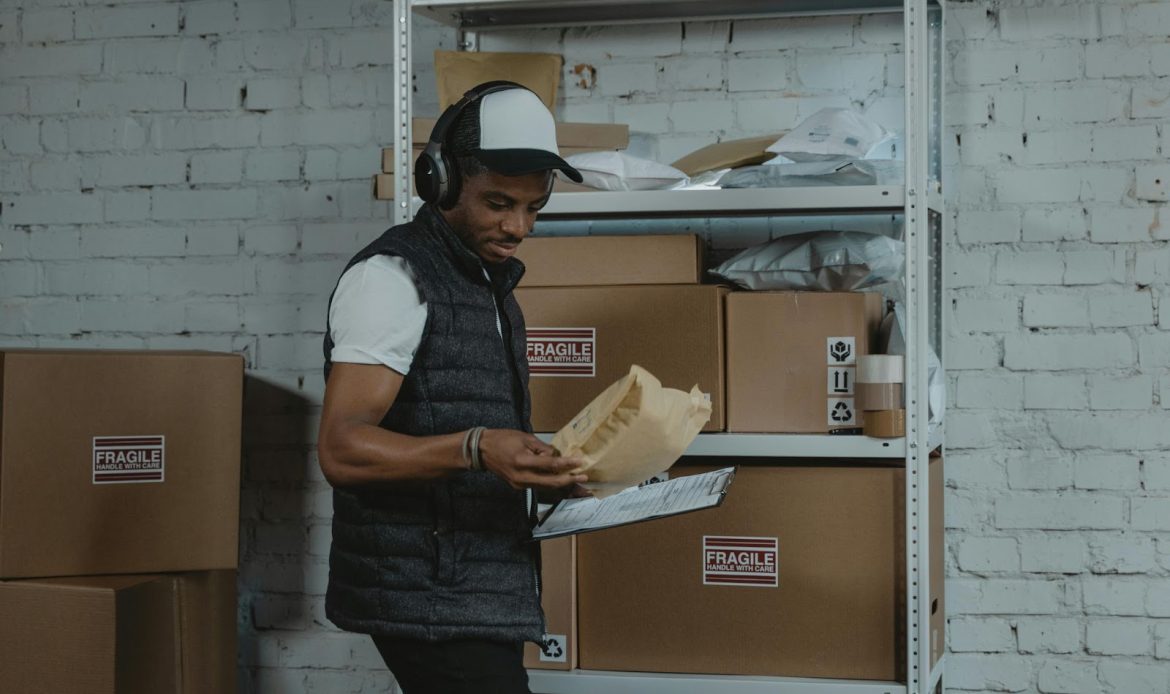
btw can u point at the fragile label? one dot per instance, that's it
(129, 459)
(554, 648)
(841, 380)
(841, 412)
(562, 352)
(740, 561)
(842, 351)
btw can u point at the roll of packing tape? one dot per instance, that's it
(879, 396)
(885, 424)
(881, 368)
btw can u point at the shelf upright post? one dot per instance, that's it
(918, 238)
(403, 174)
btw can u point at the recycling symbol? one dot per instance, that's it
(840, 351)
(552, 648)
(842, 413)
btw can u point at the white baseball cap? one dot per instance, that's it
(517, 135)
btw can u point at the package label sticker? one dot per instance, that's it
(129, 459)
(554, 649)
(740, 561)
(841, 412)
(842, 351)
(562, 352)
(841, 380)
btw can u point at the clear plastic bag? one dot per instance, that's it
(835, 261)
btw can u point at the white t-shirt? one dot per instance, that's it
(377, 315)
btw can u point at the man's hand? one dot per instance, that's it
(525, 462)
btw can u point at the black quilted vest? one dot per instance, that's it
(445, 559)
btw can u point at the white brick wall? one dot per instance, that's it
(194, 174)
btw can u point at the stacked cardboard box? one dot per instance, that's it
(119, 518)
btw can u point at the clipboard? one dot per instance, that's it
(635, 505)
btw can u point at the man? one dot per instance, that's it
(425, 432)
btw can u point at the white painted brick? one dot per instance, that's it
(217, 167)
(1123, 555)
(358, 162)
(313, 14)
(1054, 224)
(1063, 64)
(1059, 146)
(1051, 553)
(1121, 143)
(18, 278)
(209, 240)
(95, 277)
(1114, 596)
(1037, 185)
(1156, 473)
(995, 554)
(1029, 267)
(1048, 635)
(988, 672)
(969, 429)
(1150, 101)
(1059, 512)
(1094, 267)
(1108, 392)
(214, 93)
(1027, 24)
(974, 352)
(47, 26)
(1005, 596)
(304, 203)
(706, 37)
(623, 41)
(269, 15)
(700, 116)
(1116, 60)
(276, 52)
(209, 17)
(170, 56)
(1158, 595)
(215, 278)
(205, 133)
(55, 244)
(130, 206)
(820, 70)
(54, 208)
(272, 93)
(1151, 514)
(312, 277)
(646, 118)
(690, 74)
(1118, 637)
(43, 61)
(1055, 311)
(970, 269)
(1121, 310)
(275, 165)
(360, 48)
(772, 73)
(141, 170)
(1159, 54)
(989, 226)
(765, 116)
(968, 108)
(1162, 640)
(356, 89)
(321, 165)
(1037, 470)
(811, 32)
(1068, 677)
(986, 315)
(1121, 225)
(342, 127)
(1154, 350)
(21, 136)
(1133, 678)
(1150, 266)
(136, 20)
(1147, 19)
(990, 391)
(131, 315)
(1074, 105)
(203, 204)
(55, 173)
(624, 79)
(985, 147)
(53, 97)
(982, 635)
(1007, 106)
(115, 242)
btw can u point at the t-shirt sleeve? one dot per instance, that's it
(377, 315)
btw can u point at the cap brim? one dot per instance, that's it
(517, 162)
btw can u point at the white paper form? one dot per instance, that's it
(636, 504)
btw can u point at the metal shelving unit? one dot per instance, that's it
(919, 202)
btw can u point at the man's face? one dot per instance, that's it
(495, 212)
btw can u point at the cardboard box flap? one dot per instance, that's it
(457, 72)
(728, 155)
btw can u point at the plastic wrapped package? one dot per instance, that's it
(834, 261)
(835, 172)
(831, 133)
(633, 430)
(891, 340)
(622, 171)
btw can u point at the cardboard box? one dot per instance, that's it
(572, 138)
(728, 155)
(173, 634)
(567, 261)
(792, 358)
(559, 600)
(823, 549)
(582, 339)
(457, 72)
(119, 462)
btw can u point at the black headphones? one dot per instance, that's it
(436, 178)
